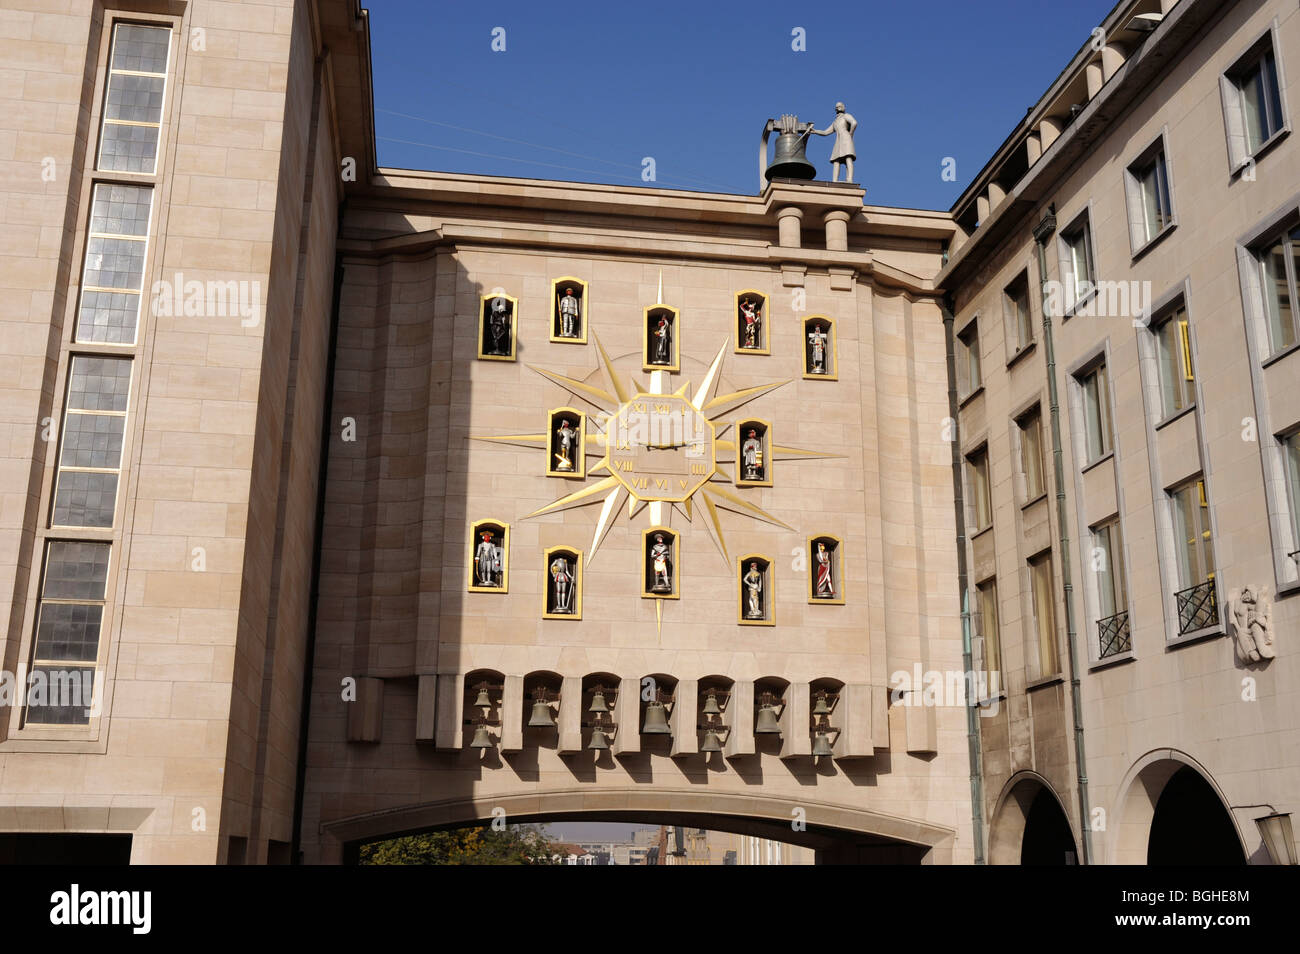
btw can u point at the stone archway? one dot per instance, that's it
(1030, 825)
(1171, 812)
(838, 834)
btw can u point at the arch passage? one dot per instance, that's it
(1191, 826)
(1030, 826)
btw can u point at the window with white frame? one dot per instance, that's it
(1278, 273)
(1150, 204)
(1290, 445)
(1097, 433)
(90, 451)
(1194, 556)
(1253, 105)
(1029, 428)
(1019, 319)
(1044, 657)
(989, 632)
(1174, 362)
(977, 470)
(1112, 593)
(1078, 274)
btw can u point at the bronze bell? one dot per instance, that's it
(598, 702)
(483, 702)
(822, 708)
(482, 738)
(542, 716)
(789, 161)
(711, 743)
(767, 724)
(598, 739)
(822, 746)
(656, 720)
(711, 704)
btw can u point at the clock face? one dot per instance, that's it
(660, 447)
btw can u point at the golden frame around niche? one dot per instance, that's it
(548, 555)
(579, 445)
(769, 590)
(742, 427)
(584, 308)
(837, 569)
(647, 593)
(764, 341)
(481, 328)
(832, 350)
(475, 529)
(676, 330)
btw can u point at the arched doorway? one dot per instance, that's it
(1030, 827)
(1171, 812)
(1048, 839)
(1191, 826)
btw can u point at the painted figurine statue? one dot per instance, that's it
(752, 456)
(663, 342)
(564, 457)
(661, 564)
(487, 561)
(499, 325)
(817, 341)
(753, 581)
(568, 315)
(753, 315)
(825, 588)
(842, 153)
(562, 583)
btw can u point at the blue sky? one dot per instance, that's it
(603, 85)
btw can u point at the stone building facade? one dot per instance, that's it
(282, 479)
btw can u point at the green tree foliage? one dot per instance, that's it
(514, 845)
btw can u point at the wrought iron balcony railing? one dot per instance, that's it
(1114, 635)
(1198, 608)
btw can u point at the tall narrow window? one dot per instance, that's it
(114, 267)
(1291, 464)
(1031, 454)
(1279, 266)
(1096, 413)
(70, 616)
(1044, 619)
(1261, 103)
(1020, 325)
(137, 77)
(968, 360)
(1151, 209)
(991, 634)
(1196, 601)
(1112, 594)
(90, 453)
(1079, 277)
(977, 467)
(1174, 356)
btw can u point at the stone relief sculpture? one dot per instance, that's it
(1252, 617)
(842, 153)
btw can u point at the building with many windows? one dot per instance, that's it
(1122, 303)
(308, 464)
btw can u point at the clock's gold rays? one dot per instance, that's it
(715, 495)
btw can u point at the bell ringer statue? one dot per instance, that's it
(565, 435)
(842, 153)
(753, 581)
(562, 577)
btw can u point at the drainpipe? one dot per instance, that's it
(972, 703)
(1042, 233)
(322, 468)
